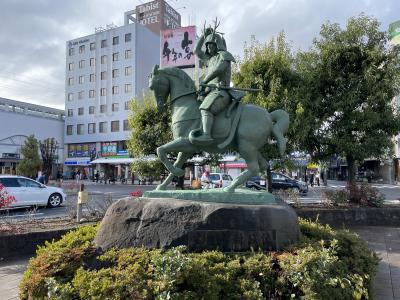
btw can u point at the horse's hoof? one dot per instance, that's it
(228, 189)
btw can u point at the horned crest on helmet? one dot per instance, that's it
(213, 36)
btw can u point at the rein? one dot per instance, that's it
(180, 96)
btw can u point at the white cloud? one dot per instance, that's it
(33, 33)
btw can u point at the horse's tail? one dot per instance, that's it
(281, 122)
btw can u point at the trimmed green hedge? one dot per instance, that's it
(324, 264)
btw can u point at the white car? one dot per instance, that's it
(221, 179)
(28, 192)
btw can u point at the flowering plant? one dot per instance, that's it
(5, 198)
(136, 193)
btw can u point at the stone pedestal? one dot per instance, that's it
(165, 223)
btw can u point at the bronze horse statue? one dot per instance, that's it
(246, 132)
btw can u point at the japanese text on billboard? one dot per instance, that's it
(177, 47)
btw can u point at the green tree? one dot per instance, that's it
(31, 163)
(350, 77)
(270, 67)
(150, 129)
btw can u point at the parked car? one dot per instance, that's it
(279, 181)
(220, 179)
(28, 192)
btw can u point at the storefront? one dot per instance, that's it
(78, 160)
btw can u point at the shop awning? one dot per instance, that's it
(76, 161)
(113, 161)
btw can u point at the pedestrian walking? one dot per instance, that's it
(317, 178)
(96, 176)
(312, 179)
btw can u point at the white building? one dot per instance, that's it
(103, 72)
(18, 120)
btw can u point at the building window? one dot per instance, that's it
(114, 126)
(91, 110)
(128, 71)
(115, 89)
(81, 64)
(103, 108)
(80, 95)
(128, 37)
(92, 78)
(80, 111)
(71, 51)
(91, 128)
(70, 66)
(128, 88)
(70, 112)
(103, 127)
(82, 49)
(79, 129)
(92, 46)
(71, 81)
(69, 129)
(103, 91)
(126, 125)
(126, 105)
(128, 54)
(115, 40)
(81, 79)
(115, 107)
(115, 73)
(92, 62)
(103, 59)
(91, 93)
(115, 56)
(70, 96)
(103, 43)
(103, 75)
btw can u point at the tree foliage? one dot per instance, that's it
(150, 127)
(270, 67)
(349, 79)
(31, 163)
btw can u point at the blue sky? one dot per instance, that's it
(33, 32)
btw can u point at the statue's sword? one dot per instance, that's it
(223, 87)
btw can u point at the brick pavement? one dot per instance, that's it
(385, 241)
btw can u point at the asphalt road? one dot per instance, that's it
(117, 191)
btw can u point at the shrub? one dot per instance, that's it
(365, 195)
(336, 197)
(359, 194)
(324, 264)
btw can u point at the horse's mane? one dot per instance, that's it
(181, 75)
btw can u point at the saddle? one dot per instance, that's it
(225, 123)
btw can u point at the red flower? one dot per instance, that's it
(136, 193)
(5, 198)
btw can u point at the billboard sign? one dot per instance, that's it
(394, 32)
(109, 149)
(158, 15)
(177, 47)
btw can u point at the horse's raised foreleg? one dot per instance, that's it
(177, 145)
(181, 159)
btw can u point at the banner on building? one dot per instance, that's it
(177, 47)
(394, 32)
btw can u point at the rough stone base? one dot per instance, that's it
(165, 223)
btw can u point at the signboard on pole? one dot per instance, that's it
(177, 46)
(394, 32)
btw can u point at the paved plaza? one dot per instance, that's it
(385, 241)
